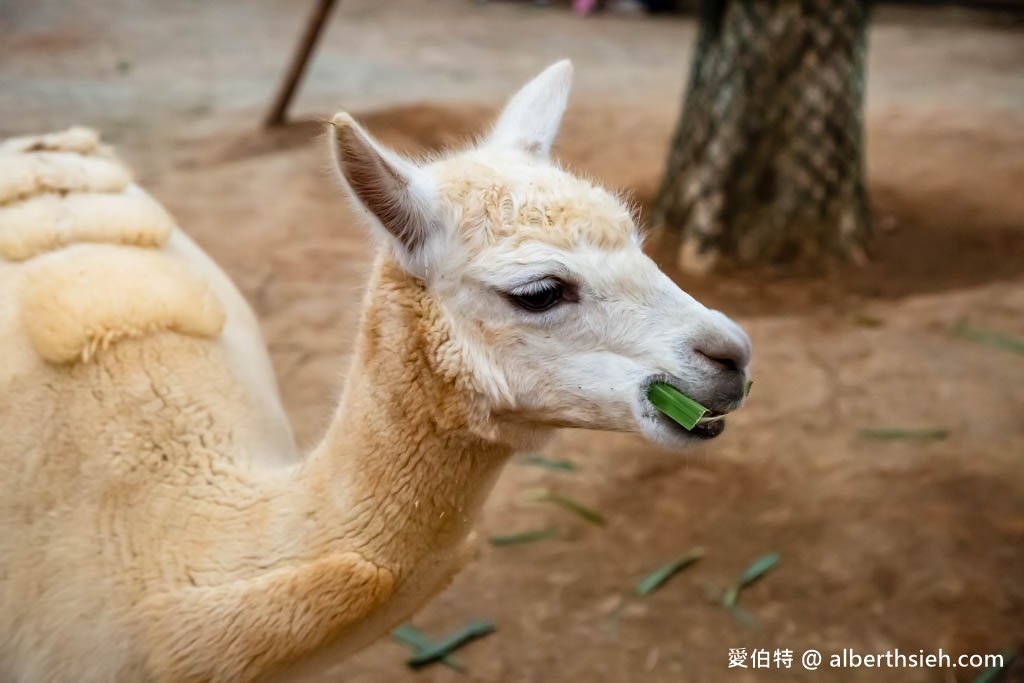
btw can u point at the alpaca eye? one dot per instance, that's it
(539, 297)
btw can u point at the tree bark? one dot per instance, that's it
(766, 164)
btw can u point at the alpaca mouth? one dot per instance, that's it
(709, 426)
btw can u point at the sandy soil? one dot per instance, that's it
(884, 544)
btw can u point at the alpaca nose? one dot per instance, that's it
(727, 345)
(731, 358)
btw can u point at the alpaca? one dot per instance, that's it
(157, 522)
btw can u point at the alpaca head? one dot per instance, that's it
(554, 314)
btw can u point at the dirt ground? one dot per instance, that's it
(884, 544)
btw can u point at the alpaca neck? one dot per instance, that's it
(403, 461)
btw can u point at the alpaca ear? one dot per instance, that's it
(398, 194)
(530, 119)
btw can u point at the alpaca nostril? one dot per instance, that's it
(729, 362)
(730, 353)
(723, 343)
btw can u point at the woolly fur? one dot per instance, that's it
(157, 522)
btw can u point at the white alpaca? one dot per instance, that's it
(156, 522)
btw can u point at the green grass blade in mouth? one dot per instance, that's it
(680, 408)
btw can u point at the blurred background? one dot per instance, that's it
(860, 213)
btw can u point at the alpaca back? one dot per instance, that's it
(88, 259)
(134, 374)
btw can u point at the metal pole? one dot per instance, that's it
(314, 26)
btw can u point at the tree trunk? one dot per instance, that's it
(766, 164)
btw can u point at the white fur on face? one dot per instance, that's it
(481, 224)
(585, 363)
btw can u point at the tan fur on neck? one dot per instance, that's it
(213, 570)
(144, 533)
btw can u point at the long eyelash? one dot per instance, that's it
(535, 287)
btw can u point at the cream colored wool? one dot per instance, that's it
(75, 139)
(50, 221)
(25, 174)
(83, 299)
